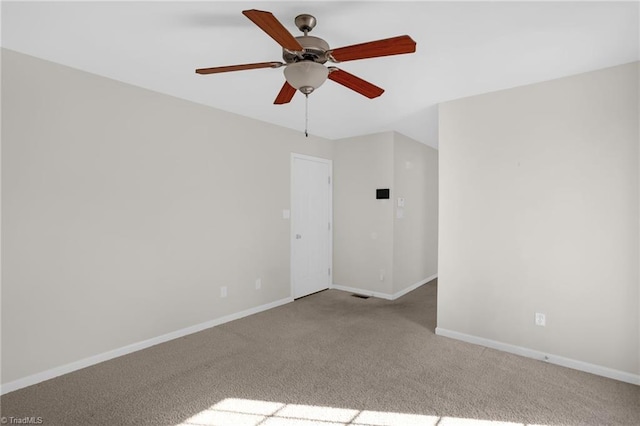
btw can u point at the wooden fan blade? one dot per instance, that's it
(228, 68)
(285, 95)
(373, 49)
(270, 25)
(355, 83)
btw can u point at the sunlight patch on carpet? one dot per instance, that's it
(248, 412)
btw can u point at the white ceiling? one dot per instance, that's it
(462, 49)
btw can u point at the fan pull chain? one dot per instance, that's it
(306, 115)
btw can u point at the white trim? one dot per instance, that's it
(414, 286)
(329, 163)
(105, 356)
(310, 158)
(542, 356)
(384, 295)
(363, 292)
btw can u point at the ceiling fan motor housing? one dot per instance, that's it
(305, 22)
(313, 49)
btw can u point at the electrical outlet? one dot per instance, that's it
(258, 283)
(381, 274)
(223, 291)
(541, 320)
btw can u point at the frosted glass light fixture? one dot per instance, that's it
(306, 76)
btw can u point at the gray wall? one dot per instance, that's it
(125, 211)
(363, 226)
(415, 235)
(539, 212)
(370, 241)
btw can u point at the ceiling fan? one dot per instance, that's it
(305, 56)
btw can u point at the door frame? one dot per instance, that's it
(295, 156)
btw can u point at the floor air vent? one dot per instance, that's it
(360, 296)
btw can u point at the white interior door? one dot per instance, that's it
(311, 227)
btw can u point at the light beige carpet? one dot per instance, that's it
(327, 359)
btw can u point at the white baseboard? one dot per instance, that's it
(414, 286)
(541, 356)
(386, 296)
(362, 291)
(95, 359)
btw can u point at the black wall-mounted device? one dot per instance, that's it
(382, 194)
